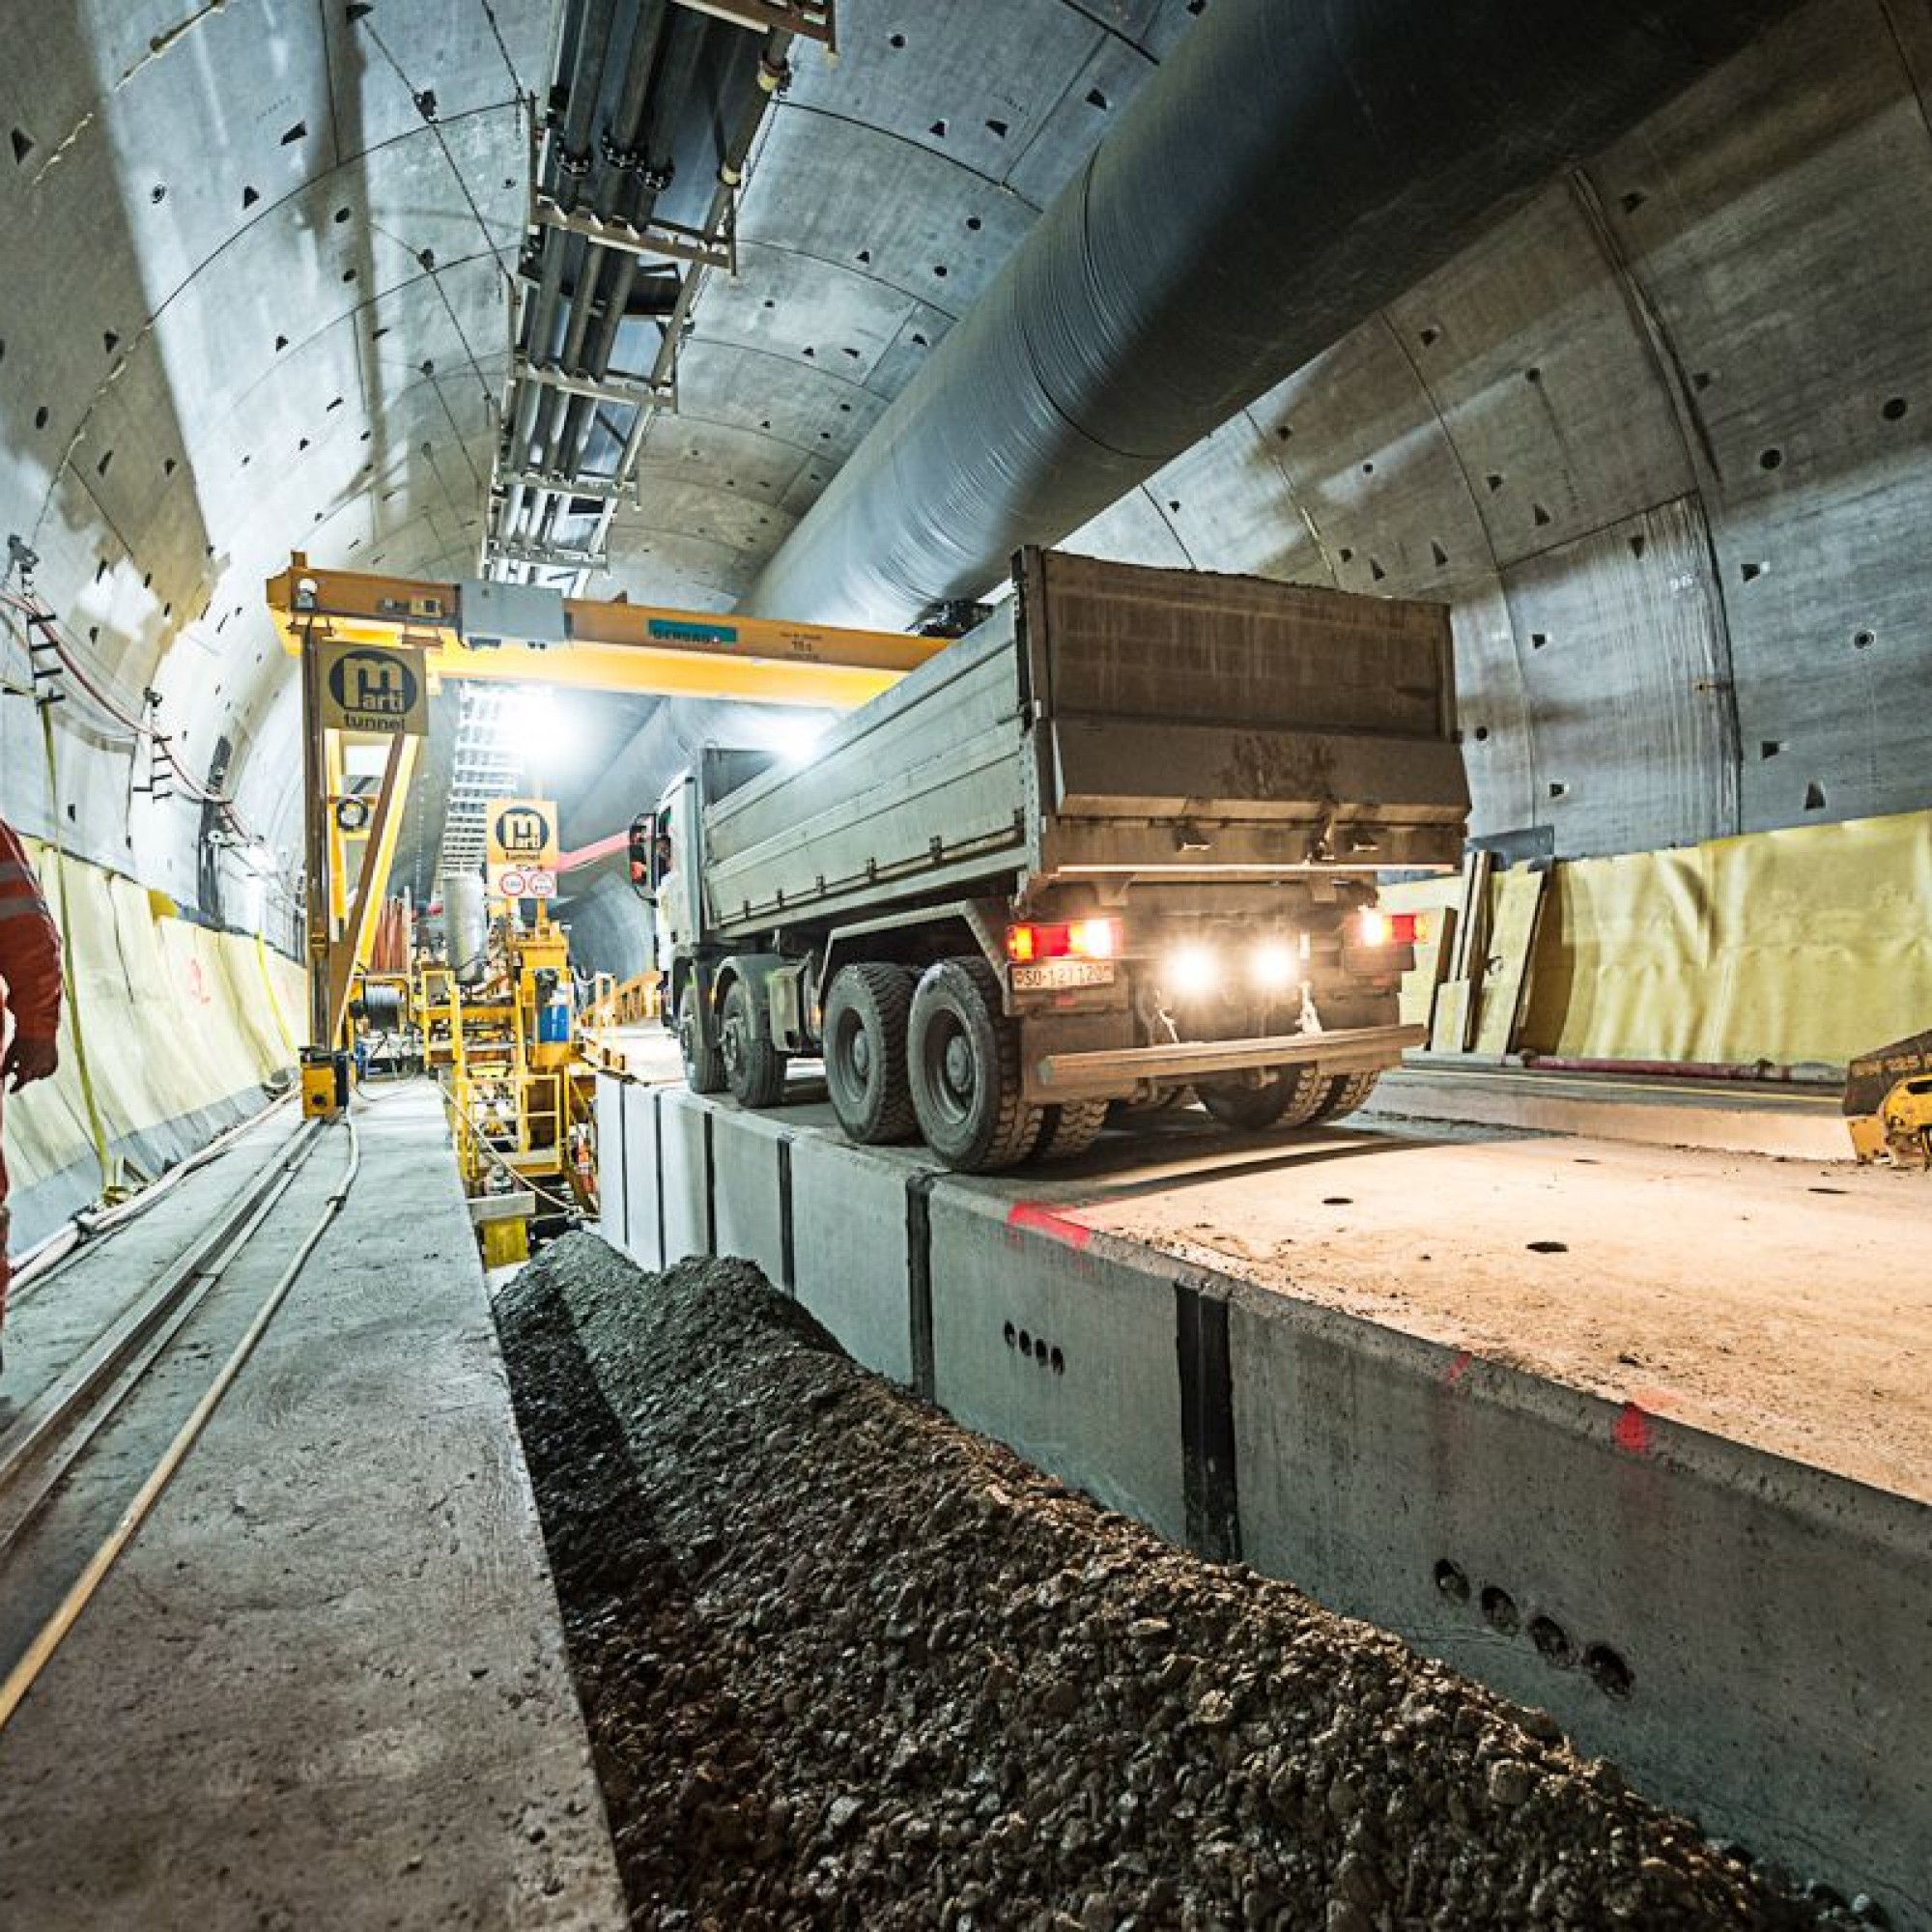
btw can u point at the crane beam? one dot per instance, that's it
(595, 644)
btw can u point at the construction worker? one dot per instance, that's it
(30, 964)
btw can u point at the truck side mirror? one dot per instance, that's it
(639, 848)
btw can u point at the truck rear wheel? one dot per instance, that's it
(866, 1015)
(1068, 1129)
(703, 1065)
(1346, 1093)
(755, 1069)
(963, 1056)
(1287, 1096)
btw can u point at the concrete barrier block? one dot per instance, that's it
(612, 1196)
(849, 1245)
(750, 1155)
(1745, 1636)
(1061, 1346)
(643, 1219)
(684, 1168)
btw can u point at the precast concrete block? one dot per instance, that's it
(850, 1250)
(613, 1197)
(750, 1155)
(643, 1213)
(684, 1158)
(1062, 1344)
(1746, 1637)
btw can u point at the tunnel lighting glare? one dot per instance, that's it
(1274, 965)
(1189, 971)
(792, 735)
(540, 729)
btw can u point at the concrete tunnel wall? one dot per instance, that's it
(1597, 1561)
(1660, 436)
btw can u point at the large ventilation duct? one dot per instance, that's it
(1290, 170)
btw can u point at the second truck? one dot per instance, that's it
(1119, 842)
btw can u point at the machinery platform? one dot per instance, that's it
(326, 1684)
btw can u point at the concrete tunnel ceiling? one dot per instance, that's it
(1658, 433)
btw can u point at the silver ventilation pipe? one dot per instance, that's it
(1291, 169)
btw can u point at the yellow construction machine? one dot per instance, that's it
(1888, 1102)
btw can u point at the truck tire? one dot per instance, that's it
(1346, 1093)
(703, 1065)
(963, 1058)
(755, 1069)
(865, 1016)
(1069, 1130)
(1288, 1097)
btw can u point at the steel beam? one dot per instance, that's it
(638, 392)
(667, 238)
(810, 19)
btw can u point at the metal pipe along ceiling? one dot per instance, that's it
(1289, 170)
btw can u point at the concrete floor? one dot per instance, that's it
(1773, 1301)
(325, 1684)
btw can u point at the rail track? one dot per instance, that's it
(84, 1461)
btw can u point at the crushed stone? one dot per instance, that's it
(846, 1664)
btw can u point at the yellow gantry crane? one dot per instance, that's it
(373, 648)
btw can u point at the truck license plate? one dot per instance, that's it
(1052, 975)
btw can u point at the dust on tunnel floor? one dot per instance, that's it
(846, 1664)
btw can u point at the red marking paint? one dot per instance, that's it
(1632, 1430)
(1458, 1369)
(1045, 1221)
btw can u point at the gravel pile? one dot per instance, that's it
(847, 1664)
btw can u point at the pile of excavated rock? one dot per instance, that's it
(846, 1664)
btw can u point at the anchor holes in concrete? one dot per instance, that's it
(974, 223)
(1814, 797)
(1452, 1580)
(250, 196)
(1338, 1200)
(298, 133)
(1894, 408)
(1558, 789)
(1532, 374)
(997, 128)
(1011, 1334)
(1549, 1247)
(1095, 98)
(1026, 1343)
(1344, 556)
(40, 416)
(341, 215)
(938, 129)
(1057, 1360)
(1770, 458)
(1751, 572)
(1499, 1610)
(896, 40)
(23, 145)
(1864, 640)
(1482, 735)
(1607, 1671)
(158, 194)
(1552, 1642)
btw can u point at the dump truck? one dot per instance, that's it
(1119, 842)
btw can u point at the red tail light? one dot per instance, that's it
(1375, 927)
(1081, 939)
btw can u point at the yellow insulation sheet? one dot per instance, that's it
(177, 1018)
(1807, 944)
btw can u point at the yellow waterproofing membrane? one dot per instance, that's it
(1798, 946)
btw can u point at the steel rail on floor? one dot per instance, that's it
(41, 1451)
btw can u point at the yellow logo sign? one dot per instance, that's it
(374, 690)
(521, 832)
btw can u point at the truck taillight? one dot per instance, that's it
(1377, 927)
(1081, 939)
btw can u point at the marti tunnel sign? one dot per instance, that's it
(374, 691)
(522, 847)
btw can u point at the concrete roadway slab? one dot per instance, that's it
(1777, 1303)
(327, 1683)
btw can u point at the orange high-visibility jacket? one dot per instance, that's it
(30, 947)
